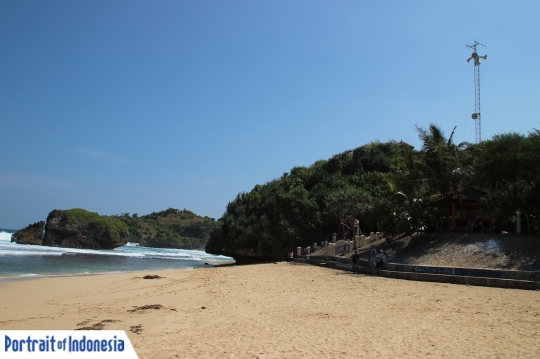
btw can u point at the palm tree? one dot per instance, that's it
(441, 162)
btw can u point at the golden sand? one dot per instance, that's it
(283, 310)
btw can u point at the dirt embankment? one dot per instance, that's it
(471, 250)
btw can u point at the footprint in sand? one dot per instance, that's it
(137, 329)
(145, 307)
(97, 326)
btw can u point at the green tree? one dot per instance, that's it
(441, 163)
(507, 169)
(345, 204)
(409, 212)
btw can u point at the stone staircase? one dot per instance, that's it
(326, 256)
(341, 247)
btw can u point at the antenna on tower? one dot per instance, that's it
(476, 115)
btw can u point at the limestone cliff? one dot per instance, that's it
(29, 235)
(78, 228)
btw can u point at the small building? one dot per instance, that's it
(404, 145)
(464, 203)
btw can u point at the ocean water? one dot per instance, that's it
(18, 261)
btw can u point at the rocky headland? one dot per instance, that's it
(33, 234)
(75, 228)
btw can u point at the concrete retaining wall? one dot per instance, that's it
(468, 276)
(467, 272)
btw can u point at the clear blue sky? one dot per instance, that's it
(136, 106)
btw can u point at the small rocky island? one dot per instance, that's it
(75, 228)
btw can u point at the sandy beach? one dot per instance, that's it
(282, 310)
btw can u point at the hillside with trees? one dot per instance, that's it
(388, 187)
(172, 228)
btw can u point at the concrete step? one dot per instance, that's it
(455, 279)
(478, 280)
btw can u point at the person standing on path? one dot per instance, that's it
(372, 254)
(354, 259)
(356, 226)
(383, 259)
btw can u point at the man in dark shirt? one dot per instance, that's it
(372, 256)
(354, 259)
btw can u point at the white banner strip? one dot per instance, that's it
(65, 344)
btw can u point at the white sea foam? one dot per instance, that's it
(27, 253)
(32, 250)
(13, 249)
(35, 275)
(5, 236)
(31, 261)
(8, 248)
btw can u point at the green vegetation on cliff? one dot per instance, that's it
(387, 186)
(78, 228)
(172, 228)
(116, 228)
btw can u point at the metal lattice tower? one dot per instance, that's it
(476, 115)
